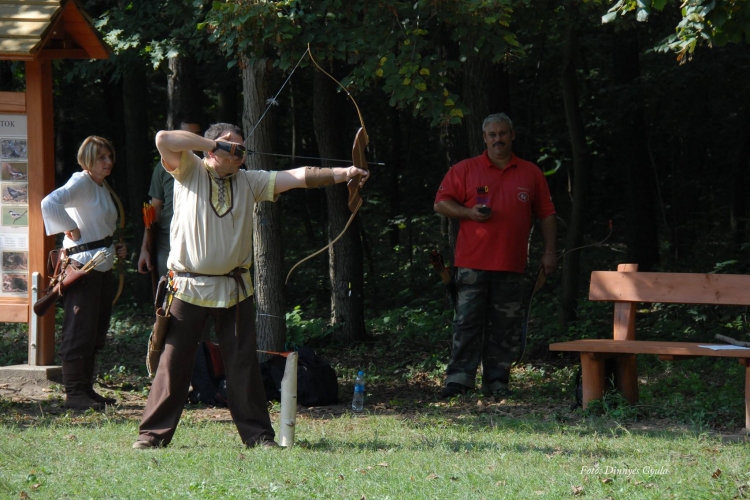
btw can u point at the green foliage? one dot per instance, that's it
(156, 29)
(704, 22)
(395, 46)
(300, 331)
(409, 324)
(612, 406)
(13, 343)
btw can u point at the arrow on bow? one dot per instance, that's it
(359, 160)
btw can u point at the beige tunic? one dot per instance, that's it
(212, 228)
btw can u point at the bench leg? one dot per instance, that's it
(746, 363)
(627, 378)
(592, 377)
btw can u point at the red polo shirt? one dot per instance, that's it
(514, 194)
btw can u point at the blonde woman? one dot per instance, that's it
(83, 209)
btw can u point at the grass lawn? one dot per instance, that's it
(465, 448)
(681, 441)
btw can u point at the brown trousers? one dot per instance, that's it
(247, 398)
(88, 308)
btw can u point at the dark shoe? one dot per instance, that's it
(264, 443)
(89, 365)
(502, 393)
(79, 400)
(144, 445)
(90, 392)
(75, 386)
(453, 389)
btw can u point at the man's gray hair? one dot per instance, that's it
(497, 118)
(218, 129)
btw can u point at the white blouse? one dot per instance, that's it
(82, 203)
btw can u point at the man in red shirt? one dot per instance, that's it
(494, 195)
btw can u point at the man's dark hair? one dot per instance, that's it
(186, 118)
(218, 129)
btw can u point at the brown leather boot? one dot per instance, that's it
(75, 385)
(89, 365)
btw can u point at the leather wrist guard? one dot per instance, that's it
(318, 177)
(233, 149)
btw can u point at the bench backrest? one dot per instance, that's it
(626, 287)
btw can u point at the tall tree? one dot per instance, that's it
(267, 246)
(345, 257)
(582, 165)
(634, 160)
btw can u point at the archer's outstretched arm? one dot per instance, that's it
(305, 177)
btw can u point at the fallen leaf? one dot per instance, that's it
(716, 474)
(35, 486)
(242, 457)
(577, 490)
(501, 483)
(24, 495)
(384, 464)
(454, 478)
(341, 477)
(432, 476)
(607, 480)
(71, 437)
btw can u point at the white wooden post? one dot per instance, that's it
(33, 318)
(288, 401)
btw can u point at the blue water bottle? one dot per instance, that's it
(358, 401)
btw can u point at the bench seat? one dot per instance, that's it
(626, 288)
(665, 350)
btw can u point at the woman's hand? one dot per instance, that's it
(73, 234)
(121, 250)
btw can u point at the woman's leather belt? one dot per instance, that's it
(83, 247)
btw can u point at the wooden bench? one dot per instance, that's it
(626, 288)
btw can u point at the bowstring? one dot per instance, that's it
(273, 101)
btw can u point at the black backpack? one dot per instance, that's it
(209, 383)
(317, 383)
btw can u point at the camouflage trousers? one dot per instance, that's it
(486, 327)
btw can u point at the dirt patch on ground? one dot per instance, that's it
(31, 400)
(19, 389)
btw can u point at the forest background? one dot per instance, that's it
(638, 111)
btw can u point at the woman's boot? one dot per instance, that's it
(75, 384)
(89, 365)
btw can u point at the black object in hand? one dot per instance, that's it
(485, 210)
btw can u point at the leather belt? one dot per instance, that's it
(235, 274)
(83, 247)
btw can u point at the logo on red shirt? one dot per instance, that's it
(523, 196)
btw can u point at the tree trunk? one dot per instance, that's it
(138, 162)
(486, 91)
(634, 160)
(455, 141)
(582, 169)
(345, 257)
(394, 170)
(268, 260)
(182, 91)
(738, 205)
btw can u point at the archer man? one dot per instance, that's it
(209, 260)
